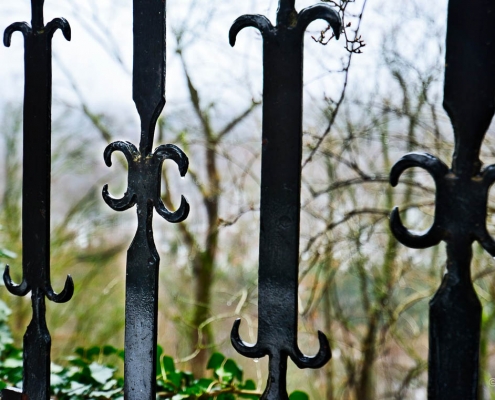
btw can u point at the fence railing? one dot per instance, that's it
(461, 202)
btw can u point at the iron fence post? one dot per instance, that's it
(144, 190)
(36, 200)
(461, 200)
(280, 192)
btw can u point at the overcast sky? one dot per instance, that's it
(98, 60)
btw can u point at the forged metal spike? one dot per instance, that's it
(18, 290)
(421, 240)
(319, 360)
(65, 295)
(259, 22)
(37, 14)
(148, 84)
(177, 216)
(286, 12)
(251, 351)
(59, 23)
(22, 27)
(320, 11)
(469, 89)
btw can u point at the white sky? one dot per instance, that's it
(232, 74)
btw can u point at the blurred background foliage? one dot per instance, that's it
(367, 292)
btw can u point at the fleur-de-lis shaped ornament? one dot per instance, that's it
(144, 178)
(461, 200)
(36, 198)
(281, 191)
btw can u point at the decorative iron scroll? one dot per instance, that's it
(281, 191)
(461, 200)
(143, 190)
(36, 199)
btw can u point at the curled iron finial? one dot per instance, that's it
(260, 22)
(22, 27)
(144, 174)
(17, 290)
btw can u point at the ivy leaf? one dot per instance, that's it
(248, 385)
(101, 373)
(109, 350)
(232, 368)
(298, 395)
(226, 396)
(204, 383)
(215, 361)
(167, 363)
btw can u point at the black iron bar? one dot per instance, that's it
(144, 187)
(461, 201)
(280, 192)
(36, 199)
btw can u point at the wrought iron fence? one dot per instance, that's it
(461, 203)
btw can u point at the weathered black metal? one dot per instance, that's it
(280, 192)
(461, 202)
(144, 189)
(36, 198)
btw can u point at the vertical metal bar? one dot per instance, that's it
(280, 192)
(36, 197)
(461, 201)
(144, 190)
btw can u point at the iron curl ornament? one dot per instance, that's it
(280, 192)
(461, 200)
(36, 199)
(144, 189)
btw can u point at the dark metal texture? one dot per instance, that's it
(461, 201)
(280, 192)
(36, 197)
(143, 190)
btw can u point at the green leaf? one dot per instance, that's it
(106, 394)
(248, 385)
(93, 353)
(226, 396)
(12, 363)
(232, 368)
(167, 363)
(109, 350)
(298, 395)
(101, 373)
(159, 352)
(215, 361)
(3, 385)
(204, 383)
